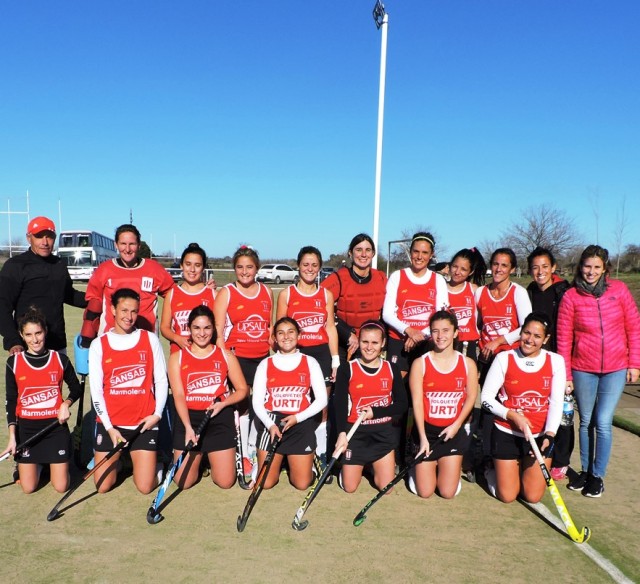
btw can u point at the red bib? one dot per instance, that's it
(463, 305)
(39, 389)
(204, 378)
(182, 303)
(416, 303)
(248, 320)
(499, 317)
(369, 389)
(288, 392)
(443, 393)
(310, 312)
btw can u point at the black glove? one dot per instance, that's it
(546, 453)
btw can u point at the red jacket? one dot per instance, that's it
(599, 335)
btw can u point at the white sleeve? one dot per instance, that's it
(319, 388)
(259, 394)
(523, 308)
(390, 306)
(492, 385)
(442, 297)
(160, 381)
(556, 399)
(96, 382)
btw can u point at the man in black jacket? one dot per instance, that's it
(36, 278)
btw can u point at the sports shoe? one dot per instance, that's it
(559, 473)
(490, 477)
(594, 487)
(579, 482)
(411, 483)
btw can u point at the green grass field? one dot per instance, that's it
(473, 538)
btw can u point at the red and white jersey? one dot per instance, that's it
(39, 389)
(527, 392)
(148, 279)
(288, 392)
(204, 378)
(128, 381)
(369, 390)
(499, 317)
(463, 305)
(310, 312)
(443, 392)
(415, 303)
(246, 330)
(182, 303)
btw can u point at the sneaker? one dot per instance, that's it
(579, 482)
(490, 477)
(159, 472)
(411, 483)
(559, 473)
(594, 487)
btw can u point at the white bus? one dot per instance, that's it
(84, 251)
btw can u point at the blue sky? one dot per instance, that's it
(246, 121)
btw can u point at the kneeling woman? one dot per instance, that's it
(524, 388)
(444, 387)
(199, 375)
(371, 385)
(282, 390)
(39, 372)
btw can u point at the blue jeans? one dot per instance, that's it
(597, 396)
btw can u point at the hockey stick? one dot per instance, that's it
(578, 537)
(242, 481)
(153, 516)
(81, 359)
(298, 524)
(360, 517)
(258, 486)
(32, 440)
(55, 513)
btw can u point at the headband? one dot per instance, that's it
(423, 238)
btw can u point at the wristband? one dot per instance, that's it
(335, 361)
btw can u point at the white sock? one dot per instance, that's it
(459, 488)
(490, 476)
(321, 439)
(412, 482)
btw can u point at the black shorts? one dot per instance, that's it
(505, 446)
(219, 433)
(322, 355)
(370, 443)
(454, 447)
(403, 359)
(249, 366)
(299, 439)
(145, 441)
(53, 448)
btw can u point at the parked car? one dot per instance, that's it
(277, 273)
(325, 273)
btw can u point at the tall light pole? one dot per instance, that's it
(381, 19)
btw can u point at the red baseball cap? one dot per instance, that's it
(40, 224)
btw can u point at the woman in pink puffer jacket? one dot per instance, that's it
(599, 337)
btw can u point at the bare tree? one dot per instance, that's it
(542, 226)
(622, 223)
(400, 255)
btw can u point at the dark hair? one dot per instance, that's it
(286, 319)
(359, 239)
(309, 249)
(542, 318)
(124, 293)
(505, 251)
(205, 311)
(444, 315)
(477, 263)
(32, 316)
(423, 236)
(593, 251)
(245, 250)
(127, 228)
(538, 252)
(373, 325)
(195, 249)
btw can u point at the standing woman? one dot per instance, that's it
(599, 338)
(444, 387)
(198, 375)
(372, 385)
(358, 292)
(524, 388)
(183, 298)
(282, 391)
(34, 399)
(243, 324)
(312, 308)
(412, 296)
(466, 273)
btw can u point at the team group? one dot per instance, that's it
(349, 357)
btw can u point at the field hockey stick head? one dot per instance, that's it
(53, 515)
(153, 517)
(299, 525)
(80, 357)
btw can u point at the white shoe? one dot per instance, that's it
(490, 477)
(459, 488)
(411, 483)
